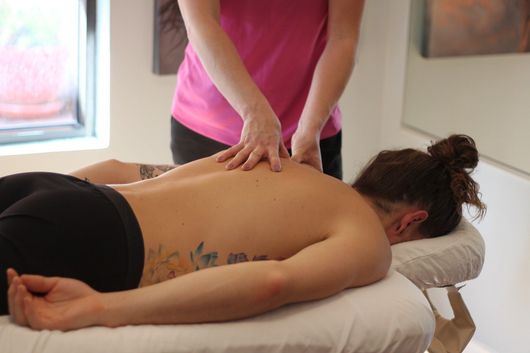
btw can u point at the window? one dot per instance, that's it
(47, 70)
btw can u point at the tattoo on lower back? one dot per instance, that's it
(148, 171)
(200, 260)
(234, 258)
(161, 265)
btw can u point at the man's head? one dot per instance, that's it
(418, 194)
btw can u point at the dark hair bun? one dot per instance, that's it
(459, 156)
(456, 152)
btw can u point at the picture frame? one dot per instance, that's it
(169, 39)
(475, 27)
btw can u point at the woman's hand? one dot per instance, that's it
(306, 149)
(53, 303)
(260, 139)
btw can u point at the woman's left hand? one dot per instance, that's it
(306, 149)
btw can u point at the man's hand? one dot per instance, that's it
(306, 149)
(260, 139)
(52, 302)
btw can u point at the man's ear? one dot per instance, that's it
(413, 217)
(401, 229)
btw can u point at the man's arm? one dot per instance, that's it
(113, 171)
(214, 294)
(250, 288)
(331, 75)
(261, 134)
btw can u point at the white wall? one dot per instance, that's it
(499, 300)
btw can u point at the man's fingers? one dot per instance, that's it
(20, 317)
(315, 163)
(247, 156)
(33, 318)
(252, 160)
(11, 293)
(297, 158)
(274, 160)
(240, 158)
(10, 275)
(230, 152)
(284, 153)
(39, 284)
(29, 312)
(276, 164)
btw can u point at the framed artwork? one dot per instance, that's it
(169, 39)
(475, 27)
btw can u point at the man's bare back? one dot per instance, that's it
(200, 215)
(316, 235)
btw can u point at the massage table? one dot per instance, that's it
(390, 316)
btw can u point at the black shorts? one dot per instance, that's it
(58, 225)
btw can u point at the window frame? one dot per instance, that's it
(86, 98)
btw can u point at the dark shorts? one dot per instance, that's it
(187, 146)
(58, 225)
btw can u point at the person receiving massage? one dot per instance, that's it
(155, 251)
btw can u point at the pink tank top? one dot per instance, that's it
(280, 42)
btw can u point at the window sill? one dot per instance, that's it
(59, 145)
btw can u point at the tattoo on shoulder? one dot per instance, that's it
(149, 171)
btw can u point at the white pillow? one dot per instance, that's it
(441, 261)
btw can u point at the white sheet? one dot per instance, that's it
(391, 316)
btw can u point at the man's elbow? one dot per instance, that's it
(272, 291)
(112, 164)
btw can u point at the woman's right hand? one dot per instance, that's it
(261, 138)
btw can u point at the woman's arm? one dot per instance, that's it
(113, 171)
(331, 75)
(261, 135)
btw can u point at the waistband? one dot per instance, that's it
(133, 232)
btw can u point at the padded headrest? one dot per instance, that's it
(441, 261)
